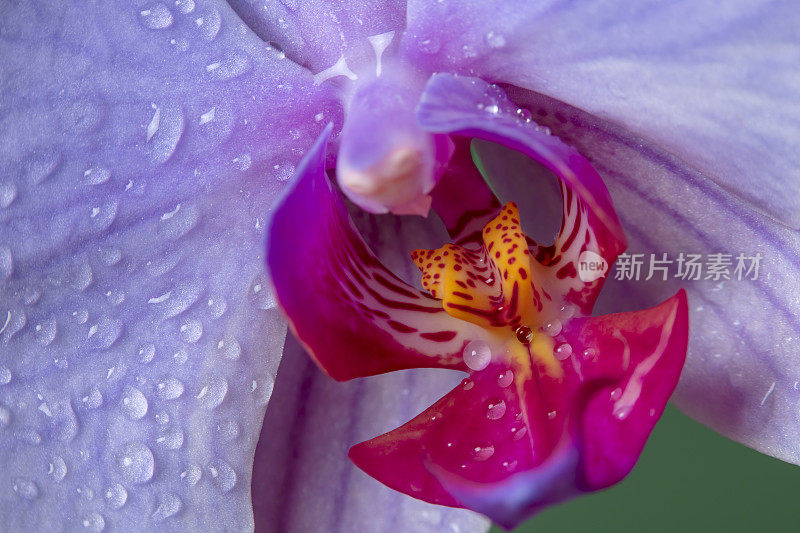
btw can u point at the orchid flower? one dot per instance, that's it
(143, 150)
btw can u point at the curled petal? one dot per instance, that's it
(508, 442)
(634, 360)
(353, 315)
(590, 229)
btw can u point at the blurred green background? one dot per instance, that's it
(688, 479)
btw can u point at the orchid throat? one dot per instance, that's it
(557, 403)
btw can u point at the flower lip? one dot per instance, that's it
(509, 420)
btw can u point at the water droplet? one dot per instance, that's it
(505, 378)
(495, 409)
(616, 393)
(106, 332)
(510, 465)
(589, 353)
(147, 353)
(157, 17)
(260, 294)
(8, 192)
(524, 114)
(116, 496)
(30, 436)
(213, 394)
(228, 430)
(229, 348)
(191, 331)
(96, 175)
(563, 352)
(81, 316)
(236, 64)
(551, 415)
(467, 384)
(492, 108)
(172, 439)
(430, 45)
(94, 522)
(136, 463)
(192, 475)
(495, 40)
(217, 306)
(134, 403)
(223, 475)
(519, 432)
(482, 453)
(5, 416)
(622, 412)
(185, 6)
(25, 488)
(57, 468)
(168, 505)
(477, 355)
(553, 327)
(6, 263)
(170, 388)
(45, 332)
(524, 334)
(5, 375)
(93, 399)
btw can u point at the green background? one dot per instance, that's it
(688, 479)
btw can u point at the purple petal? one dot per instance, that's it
(304, 482)
(140, 150)
(741, 375)
(713, 85)
(318, 34)
(355, 317)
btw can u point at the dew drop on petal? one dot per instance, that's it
(563, 352)
(57, 468)
(170, 388)
(94, 522)
(136, 463)
(616, 393)
(551, 415)
(495, 409)
(553, 327)
(482, 453)
(505, 378)
(519, 432)
(477, 355)
(116, 496)
(25, 488)
(134, 403)
(622, 412)
(223, 475)
(467, 384)
(168, 505)
(192, 475)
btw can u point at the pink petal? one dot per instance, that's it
(354, 316)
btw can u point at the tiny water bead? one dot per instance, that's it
(524, 334)
(552, 327)
(477, 355)
(116, 496)
(505, 379)
(495, 409)
(482, 453)
(136, 463)
(467, 384)
(563, 352)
